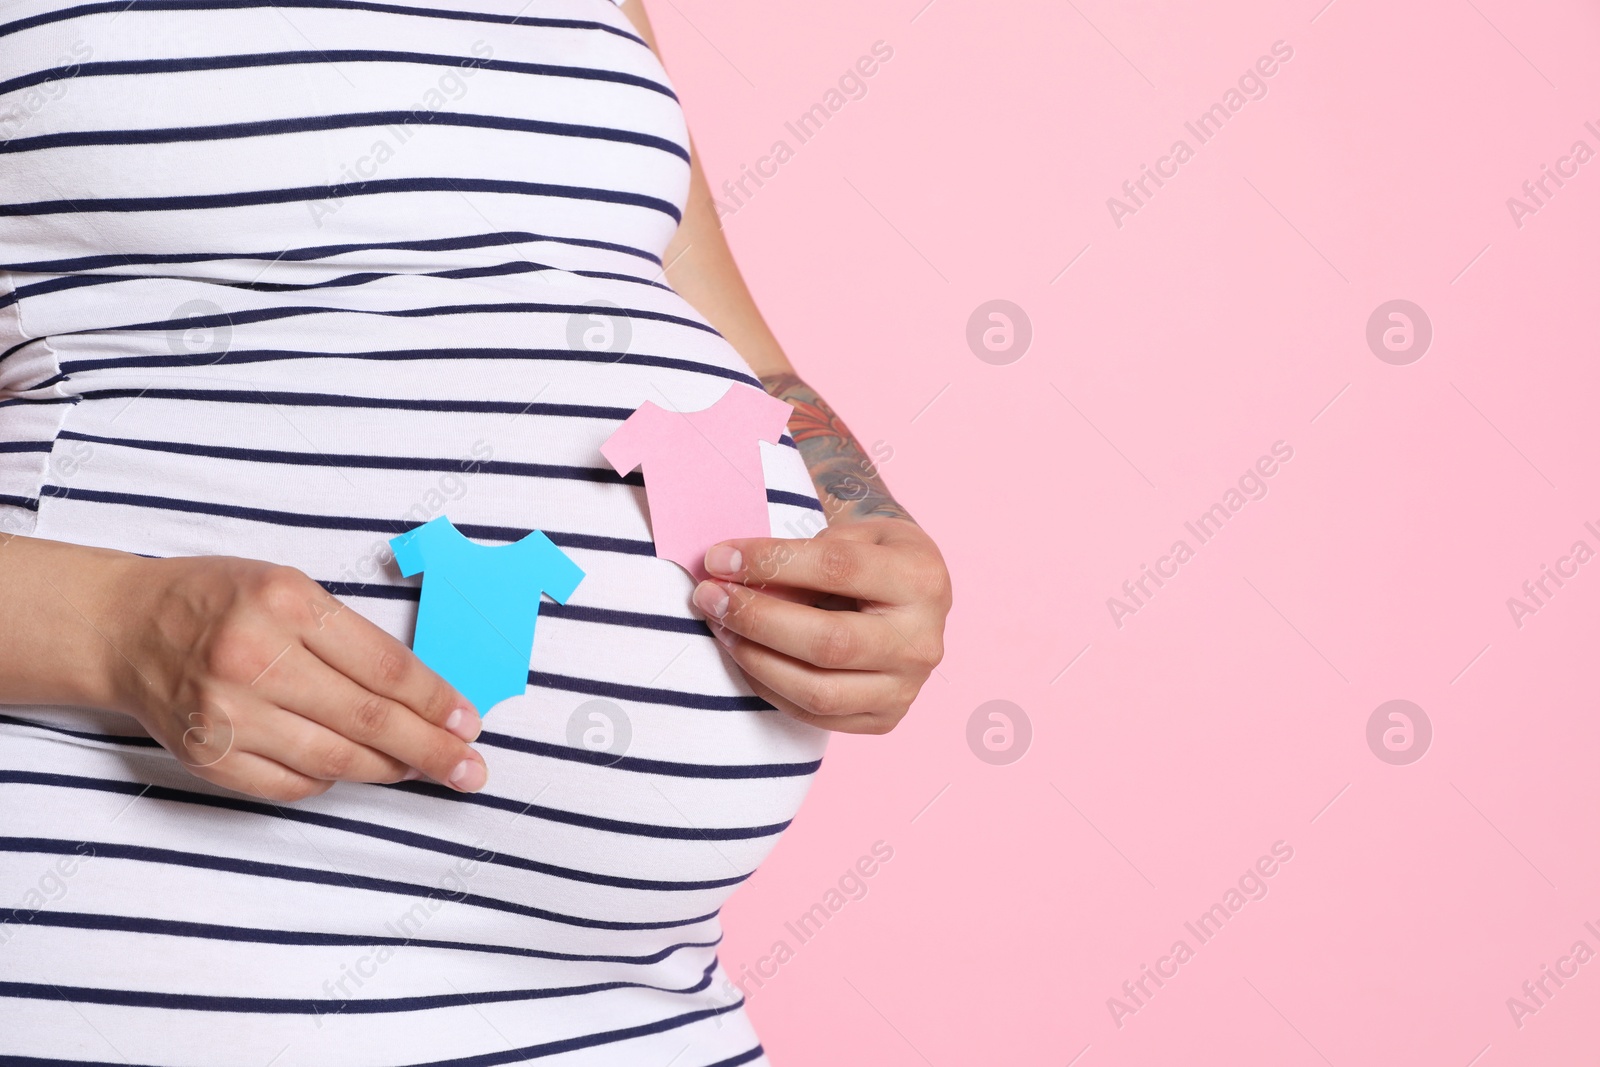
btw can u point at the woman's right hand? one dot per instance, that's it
(259, 680)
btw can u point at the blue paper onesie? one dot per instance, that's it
(479, 605)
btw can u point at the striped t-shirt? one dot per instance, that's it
(283, 279)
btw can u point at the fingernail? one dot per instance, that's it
(412, 775)
(724, 560)
(725, 635)
(464, 723)
(469, 776)
(710, 598)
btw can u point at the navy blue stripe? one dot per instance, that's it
(391, 834)
(128, 998)
(437, 792)
(300, 255)
(18, 347)
(19, 501)
(602, 475)
(613, 276)
(612, 617)
(637, 764)
(742, 1058)
(670, 697)
(36, 399)
(388, 527)
(42, 287)
(473, 531)
(393, 463)
(650, 766)
(314, 193)
(283, 872)
(313, 123)
(335, 400)
(341, 522)
(347, 281)
(590, 822)
(495, 1059)
(85, 281)
(497, 270)
(133, 924)
(244, 357)
(119, 6)
(24, 446)
(252, 315)
(794, 500)
(548, 609)
(32, 1061)
(114, 739)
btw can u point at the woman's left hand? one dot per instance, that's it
(841, 630)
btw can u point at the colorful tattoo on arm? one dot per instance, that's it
(847, 480)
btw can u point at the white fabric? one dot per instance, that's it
(287, 279)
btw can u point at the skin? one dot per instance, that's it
(842, 630)
(260, 681)
(250, 673)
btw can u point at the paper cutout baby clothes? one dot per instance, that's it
(702, 470)
(479, 605)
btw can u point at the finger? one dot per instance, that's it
(843, 724)
(304, 684)
(262, 778)
(838, 640)
(311, 749)
(821, 692)
(367, 655)
(836, 565)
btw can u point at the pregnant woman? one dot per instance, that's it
(281, 280)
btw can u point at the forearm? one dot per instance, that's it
(701, 268)
(847, 479)
(705, 274)
(699, 264)
(57, 620)
(703, 271)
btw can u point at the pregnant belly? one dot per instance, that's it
(633, 786)
(310, 429)
(256, 337)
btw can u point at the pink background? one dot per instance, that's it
(1229, 712)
